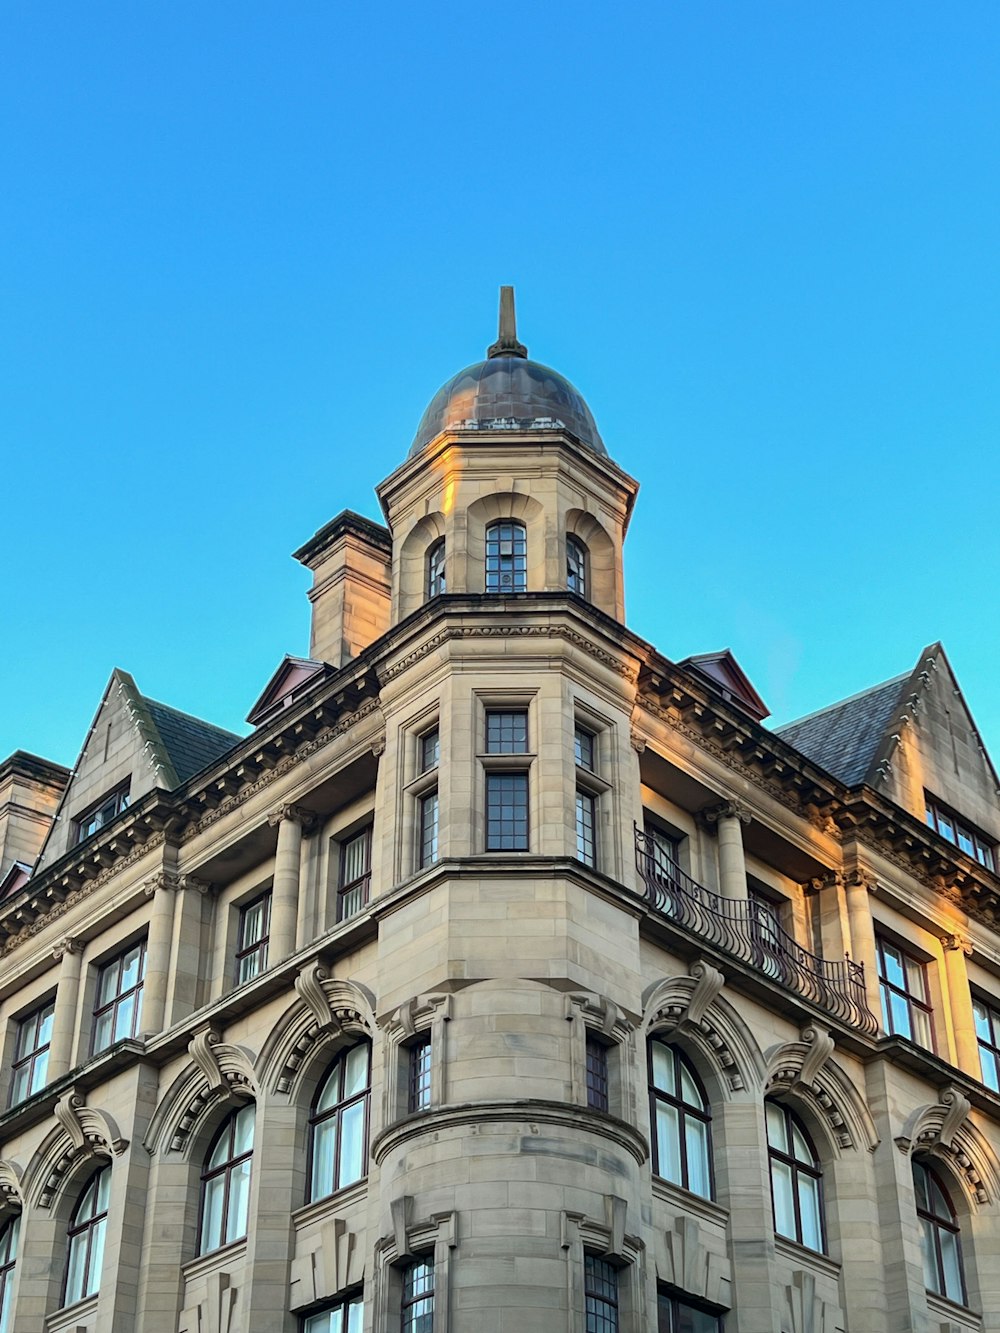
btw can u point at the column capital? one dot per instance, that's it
(69, 944)
(957, 943)
(294, 814)
(829, 879)
(857, 878)
(727, 810)
(167, 880)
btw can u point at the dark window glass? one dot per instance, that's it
(355, 874)
(31, 1055)
(343, 1317)
(576, 566)
(420, 1074)
(417, 1310)
(681, 1115)
(597, 1074)
(583, 748)
(600, 1288)
(675, 1315)
(796, 1178)
(506, 812)
(225, 1182)
(506, 558)
(435, 569)
(118, 1010)
(95, 818)
(940, 1242)
(586, 827)
(338, 1126)
(506, 732)
(428, 829)
(988, 1035)
(8, 1260)
(87, 1230)
(906, 1010)
(255, 931)
(967, 839)
(430, 750)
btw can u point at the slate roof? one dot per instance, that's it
(844, 738)
(190, 743)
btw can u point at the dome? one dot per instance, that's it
(508, 392)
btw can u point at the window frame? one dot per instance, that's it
(89, 1227)
(597, 1072)
(335, 1114)
(428, 828)
(342, 1306)
(435, 569)
(910, 998)
(411, 1297)
(983, 847)
(258, 947)
(227, 1169)
(602, 1297)
(585, 807)
(119, 997)
(30, 1059)
(10, 1236)
(517, 572)
(118, 798)
(578, 568)
(676, 1303)
(991, 1015)
(360, 885)
(813, 1172)
(419, 1054)
(937, 1224)
(684, 1111)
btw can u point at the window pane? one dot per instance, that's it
(690, 1092)
(585, 846)
(800, 1148)
(583, 748)
(915, 979)
(352, 1164)
(777, 1136)
(19, 1084)
(356, 1070)
(107, 987)
(990, 1072)
(249, 967)
(668, 1145)
(931, 1280)
(239, 1200)
(696, 1321)
(507, 812)
(355, 858)
(900, 1015)
(893, 966)
(44, 1031)
(355, 1316)
(324, 1147)
(952, 1266)
(812, 1232)
(131, 971)
(663, 1067)
(102, 1191)
(75, 1268)
(243, 1131)
(96, 1256)
(211, 1218)
(921, 1027)
(982, 1021)
(784, 1203)
(696, 1134)
(124, 1016)
(506, 733)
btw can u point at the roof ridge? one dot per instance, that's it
(839, 703)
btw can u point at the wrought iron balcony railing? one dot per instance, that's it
(750, 931)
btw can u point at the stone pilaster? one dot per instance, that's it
(161, 889)
(291, 821)
(69, 954)
(966, 1053)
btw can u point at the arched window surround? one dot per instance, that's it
(86, 1234)
(796, 1176)
(340, 1122)
(680, 1115)
(223, 1214)
(940, 1239)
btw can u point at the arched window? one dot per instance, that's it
(939, 1238)
(8, 1260)
(576, 566)
(681, 1116)
(506, 557)
(338, 1126)
(225, 1182)
(87, 1228)
(796, 1178)
(435, 569)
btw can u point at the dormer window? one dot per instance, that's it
(101, 812)
(965, 838)
(506, 557)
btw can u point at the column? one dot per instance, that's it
(290, 820)
(858, 884)
(729, 819)
(956, 949)
(160, 887)
(69, 953)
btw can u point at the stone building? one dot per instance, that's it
(507, 975)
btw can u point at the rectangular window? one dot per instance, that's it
(586, 827)
(118, 1010)
(583, 748)
(988, 1034)
(429, 750)
(675, 1315)
(355, 874)
(428, 829)
(344, 1317)
(417, 1309)
(31, 1055)
(506, 732)
(600, 1289)
(906, 1010)
(102, 812)
(255, 930)
(419, 1097)
(506, 812)
(597, 1074)
(966, 838)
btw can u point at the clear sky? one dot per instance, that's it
(241, 245)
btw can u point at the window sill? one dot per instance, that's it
(952, 1310)
(69, 1318)
(678, 1197)
(802, 1254)
(332, 1203)
(223, 1257)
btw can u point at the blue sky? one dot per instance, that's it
(242, 245)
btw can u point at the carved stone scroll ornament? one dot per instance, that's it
(686, 1002)
(225, 1068)
(88, 1128)
(309, 985)
(797, 1064)
(10, 1184)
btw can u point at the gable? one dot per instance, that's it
(291, 676)
(724, 672)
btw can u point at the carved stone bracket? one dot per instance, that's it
(805, 1310)
(607, 1237)
(335, 1261)
(169, 881)
(411, 1237)
(796, 1065)
(857, 877)
(944, 1128)
(309, 986)
(88, 1128)
(683, 1260)
(225, 1068)
(601, 1014)
(10, 1184)
(218, 1309)
(418, 1014)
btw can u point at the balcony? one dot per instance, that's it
(749, 931)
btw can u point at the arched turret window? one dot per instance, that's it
(796, 1178)
(506, 557)
(435, 569)
(681, 1114)
(939, 1237)
(87, 1229)
(225, 1182)
(576, 566)
(338, 1126)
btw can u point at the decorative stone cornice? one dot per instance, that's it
(511, 629)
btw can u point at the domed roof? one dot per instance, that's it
(508, 392)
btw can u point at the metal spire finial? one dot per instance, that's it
(506, 343)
